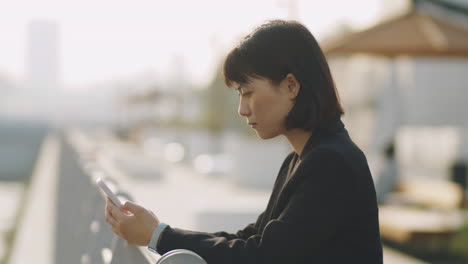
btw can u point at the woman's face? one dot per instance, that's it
(266, 105)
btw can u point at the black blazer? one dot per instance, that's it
(323, 212)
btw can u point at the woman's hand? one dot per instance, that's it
(131, 222)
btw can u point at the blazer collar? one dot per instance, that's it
(326, 129)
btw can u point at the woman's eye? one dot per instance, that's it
(246, 94)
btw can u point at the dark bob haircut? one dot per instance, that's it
(276, 49)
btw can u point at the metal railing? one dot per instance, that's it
(82, 232)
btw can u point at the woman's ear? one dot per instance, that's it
(293, 85)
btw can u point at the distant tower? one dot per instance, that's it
(42, 58)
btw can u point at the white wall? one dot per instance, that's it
(439, 92)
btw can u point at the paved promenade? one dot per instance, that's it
(35, 237)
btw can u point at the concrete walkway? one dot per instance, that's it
(11, 194)
(35, 237)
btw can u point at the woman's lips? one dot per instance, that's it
(253, 125)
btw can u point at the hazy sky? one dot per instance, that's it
(110, 39)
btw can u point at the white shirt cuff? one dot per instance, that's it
(153, 245)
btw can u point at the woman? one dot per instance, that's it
(323, 205)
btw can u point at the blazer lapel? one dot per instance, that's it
(284, 192)
(326, 130)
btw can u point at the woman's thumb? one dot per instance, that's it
(132, 207)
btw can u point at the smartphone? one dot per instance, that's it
(100, 182)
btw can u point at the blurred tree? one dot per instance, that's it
(459, 245)
(219, 104)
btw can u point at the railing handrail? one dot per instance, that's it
(89, 162)
(92, 167)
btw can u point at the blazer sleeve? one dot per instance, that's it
(245, 233)
(312, 214)
(252, 229)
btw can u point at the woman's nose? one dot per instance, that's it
(244, 109)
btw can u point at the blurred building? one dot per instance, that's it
(37, 96)
(404, 81)
(42, 58)
(404, 87)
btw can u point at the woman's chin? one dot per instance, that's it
(266, 135)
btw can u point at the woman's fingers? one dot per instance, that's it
(111, 220)
(113, 214)
(115, 211)
(117, 231)
(132, 222)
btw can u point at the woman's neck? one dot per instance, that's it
(297, 139)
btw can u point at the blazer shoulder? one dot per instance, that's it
(340, 147)
(323, 155)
